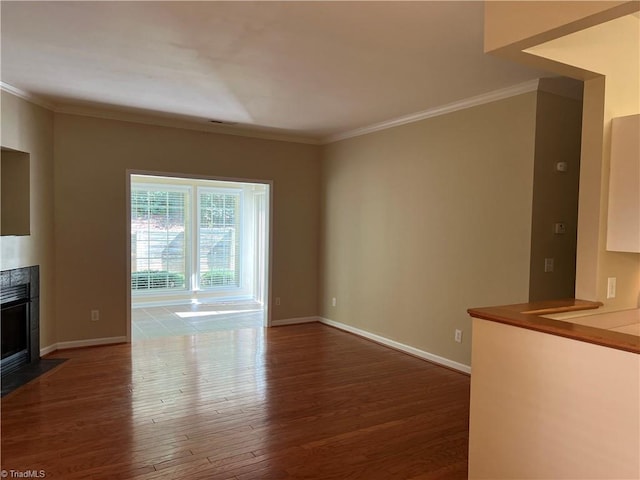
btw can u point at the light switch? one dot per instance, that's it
(548, 265)
(611, 287)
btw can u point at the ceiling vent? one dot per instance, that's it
(221, 122)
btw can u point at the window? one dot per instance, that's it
(218, 239)
(196, 237)
(158, 238)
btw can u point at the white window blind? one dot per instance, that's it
(218, 239)
(158, 237)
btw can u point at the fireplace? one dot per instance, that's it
(19, 318)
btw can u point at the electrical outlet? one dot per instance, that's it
(559, 228)
(611, 287)
(277, 300)
(95, 315)
(334, 302)
(458, 336)
(548, 265)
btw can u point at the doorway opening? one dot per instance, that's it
(198, 255)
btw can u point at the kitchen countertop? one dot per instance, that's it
(625, 321)
(571, 318)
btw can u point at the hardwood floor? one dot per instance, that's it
(297, 402)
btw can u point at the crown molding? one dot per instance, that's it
(166, 121)
(29, 97)
(158, 120)
(187, 124)
(489, 97)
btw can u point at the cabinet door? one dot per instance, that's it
(623, 229)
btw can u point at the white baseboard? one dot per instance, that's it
(92, 342)
(294, 321)
(290, 321)
(47, 350)
(461, 367)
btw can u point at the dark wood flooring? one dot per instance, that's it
(296, 402)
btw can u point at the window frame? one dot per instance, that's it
(247, 271)
(240, 220)
(186, 190)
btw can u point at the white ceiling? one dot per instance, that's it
(314, 69)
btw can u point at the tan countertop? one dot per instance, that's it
(625, 321)
(576, 319)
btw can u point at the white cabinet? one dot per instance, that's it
(623, 230)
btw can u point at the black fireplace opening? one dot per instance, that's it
(19, 325)
(14, 324)
(14, 318)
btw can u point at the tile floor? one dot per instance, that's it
(177, 320)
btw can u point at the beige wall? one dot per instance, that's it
(92, 156)
(525, 23)
(555, 196)
(609, 53)
(544, 406)
(16, 193)
(29, 128)
(451, 175)
(422, 221)
(598, 49)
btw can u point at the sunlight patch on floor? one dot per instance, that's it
(179, 320)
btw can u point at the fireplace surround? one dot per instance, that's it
(19, 318)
